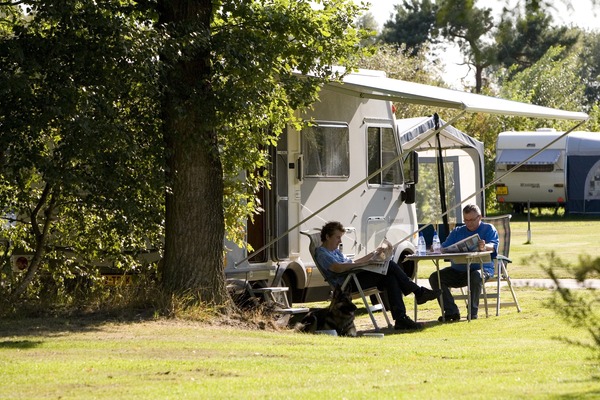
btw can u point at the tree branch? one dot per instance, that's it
(16, 3)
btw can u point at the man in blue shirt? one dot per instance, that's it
(455, 276)
(333, 263)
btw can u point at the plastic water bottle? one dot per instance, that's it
(436, 246)
(422, 247)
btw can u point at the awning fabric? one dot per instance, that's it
(411, 130)
(379, 87)
(515, 156)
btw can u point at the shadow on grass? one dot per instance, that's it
(20, 344)
(52, 325)
(364, 324)
(594, 394)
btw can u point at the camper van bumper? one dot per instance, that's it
(253, 273)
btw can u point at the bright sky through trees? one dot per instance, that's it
(582, 16)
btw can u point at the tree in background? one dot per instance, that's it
(120, 119)
(589, 53)
(397, 64)
(486, 46)
(552, 81)
(82, 176)
(368, 23)
(469, 27)
(422, 22)
(523, 38)
(414, 26)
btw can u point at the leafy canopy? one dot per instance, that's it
(259, 48)
(81, 153)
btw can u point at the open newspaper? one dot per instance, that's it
(467, 245)
(381, 258)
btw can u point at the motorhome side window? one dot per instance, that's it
(381, 148)
(326, 150)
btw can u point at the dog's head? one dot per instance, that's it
(341, 302)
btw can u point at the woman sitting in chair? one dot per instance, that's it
(395, 282)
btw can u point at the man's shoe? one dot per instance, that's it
(406, 324)
(427, 295)
(450, 318)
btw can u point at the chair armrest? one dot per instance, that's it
(346, 268)
(502, 258)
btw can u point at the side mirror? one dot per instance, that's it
(412, 168)
(411, 177)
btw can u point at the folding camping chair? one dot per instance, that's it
(378, 305)
(502, 225)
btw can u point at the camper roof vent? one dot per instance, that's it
(545, 130)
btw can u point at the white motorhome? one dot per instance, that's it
(551, 177)
(320, 174)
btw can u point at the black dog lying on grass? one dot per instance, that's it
(339, 316)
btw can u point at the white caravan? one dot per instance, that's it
(552, 177)
(541, 179)
(320, 174)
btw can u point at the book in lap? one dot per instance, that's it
(467, 245)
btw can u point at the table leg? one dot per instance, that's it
(437, 268)
(416, 275)
(469, 290)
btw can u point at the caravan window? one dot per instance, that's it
(326, 150)
(532, 167)
(381, 148)
(543, 162)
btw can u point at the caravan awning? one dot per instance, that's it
(417, 134)
(515, 156)
(379, 87)
(412, 129)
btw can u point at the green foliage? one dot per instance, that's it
(414, 26)
(369, 24)
(81, 152)
(81, 124)
(580, 310)
(589, 55)
(397, 64)
(259, 47)
(523, 40)
(552, 82)
(518, 39)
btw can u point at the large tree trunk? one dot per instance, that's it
(193, 262)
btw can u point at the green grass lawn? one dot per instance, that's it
(522, 355)
(568, 239)
(514, 356)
